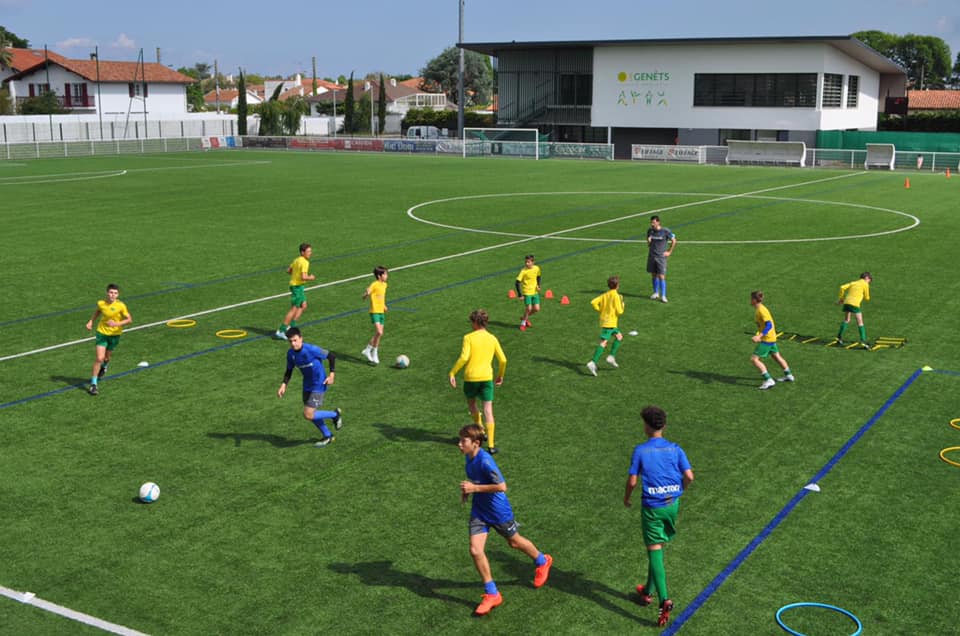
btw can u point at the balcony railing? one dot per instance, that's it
(74, 101)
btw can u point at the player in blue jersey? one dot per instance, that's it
(491, 509)
(309, 359)
(664, 472)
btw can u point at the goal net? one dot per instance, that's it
(507, 142)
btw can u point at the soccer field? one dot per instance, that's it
(258, 532)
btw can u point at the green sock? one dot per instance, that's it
(659, 573)
(863, 333)
(787, 372)
(766, 375)
(293, 323)
(597, 354)
(282, 328)
(615, 347)
(843, 327)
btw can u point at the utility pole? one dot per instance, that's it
(158, 55)
(460, 91)
(216, 81)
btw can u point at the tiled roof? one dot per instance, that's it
(152, 72)
(933, 100)
(393, 92)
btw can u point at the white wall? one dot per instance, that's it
(663, 97)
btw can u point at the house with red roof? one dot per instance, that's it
(95, 86)
(230, 97)
(933, 101)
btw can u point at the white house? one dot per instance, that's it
(97, 86)
(697, 91)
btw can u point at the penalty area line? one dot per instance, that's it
(29, 598)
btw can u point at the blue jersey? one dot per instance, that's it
(489, 507)
(660, 465)
(310, 362)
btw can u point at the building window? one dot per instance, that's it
(832, 90)
(36, 90)
(756, 90)
(575, 90)
(137, 89)
(853, 90)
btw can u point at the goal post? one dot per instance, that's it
(509, 142)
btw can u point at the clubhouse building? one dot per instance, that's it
(691, 91)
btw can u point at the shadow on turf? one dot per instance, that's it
(410, 434)
(708, 377)
(578, 367)
(382, 573)
(260, 331)
(68, 381)
(276, 440)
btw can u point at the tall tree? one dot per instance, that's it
(443, 70)
(349, 108)
(11, 39)
(926, 58)
(955, 78)
(242, 105)
(381, 106)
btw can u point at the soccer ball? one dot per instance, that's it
(149, 492)
(403, 361)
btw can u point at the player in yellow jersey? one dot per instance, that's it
(610, 306)
(766, 339)
(528, 290)
(377, 293)
(113, 315)
(477, 353)
(851, 296)
(299, 275)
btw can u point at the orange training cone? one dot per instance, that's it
(564, 301)
(906, 183)
(511, 294)
(549, 293)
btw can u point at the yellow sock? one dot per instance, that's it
(477, 418)
(491, 427)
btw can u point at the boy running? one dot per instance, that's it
(298, 297)
(377, 293)
(610, 306)
(309, 359)
(113, 316)
(663, 472)
(851, 296)
(766, 339)
(477, 352)
(528, 288)
(491, 508)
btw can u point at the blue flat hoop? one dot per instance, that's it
(834, 608)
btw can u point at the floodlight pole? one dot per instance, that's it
(460, 78)
(96, 54)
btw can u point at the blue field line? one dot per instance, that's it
(945, 372)
(784, 512)
(317, 321)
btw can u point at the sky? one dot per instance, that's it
(398, 38)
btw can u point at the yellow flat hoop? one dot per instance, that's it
(955, 423)
(943, 455)
(181, 323)
(229, 334)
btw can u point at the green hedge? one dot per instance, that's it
(446, 119)
(948, 121)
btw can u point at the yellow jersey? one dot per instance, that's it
(761, 316)
(479, 348)
(377, 293)
(855, 292)
(610, 306)
(528, 280)
(298, 268)
(115, 311)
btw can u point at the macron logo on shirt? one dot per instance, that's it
(663, 490)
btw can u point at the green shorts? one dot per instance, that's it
(298, 297)
(376, 318)
(659, 524)
(851, 309)
(608, 332)
(531, 300)
(479, 390)
(110, 342)
(764, 349)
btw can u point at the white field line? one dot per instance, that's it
(522, 239)
(29, 598)
(626, 217)
(8, 181)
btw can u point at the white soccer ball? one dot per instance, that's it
(403, 361)
(149, 492)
